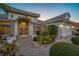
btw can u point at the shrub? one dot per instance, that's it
(2, 41)
(49, 39)
(75, 40)
(9, 49)
(45, 33)
(46, 40)
(38, 32)
(64, 49)
(76, 32)
(43, 39)
(35, 38)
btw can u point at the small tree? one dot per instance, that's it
(52, 29)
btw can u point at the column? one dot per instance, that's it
(12, 27)
(30, 28)
(16, 28)
(34, 30)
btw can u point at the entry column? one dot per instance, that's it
(12, 27)
(32, 27)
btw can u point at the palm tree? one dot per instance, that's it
(4, 7)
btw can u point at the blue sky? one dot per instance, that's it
(49, 10)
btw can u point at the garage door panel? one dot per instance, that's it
(66, 31)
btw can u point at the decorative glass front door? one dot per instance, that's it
(23, 29)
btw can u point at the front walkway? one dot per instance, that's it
(27, 48)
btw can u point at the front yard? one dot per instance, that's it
(46, 36)
(66, 48)
(42, 45)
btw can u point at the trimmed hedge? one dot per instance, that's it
(75, 40)
(64, 49)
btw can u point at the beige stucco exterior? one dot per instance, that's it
(61, 20)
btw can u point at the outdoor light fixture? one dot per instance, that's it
(23, 23)
(68, 27)
(61, 25)
(72, 26)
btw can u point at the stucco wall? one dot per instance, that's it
(16, 28)
(15, 16)
(32, 26)
(64, 30)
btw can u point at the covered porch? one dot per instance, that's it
(24, 26)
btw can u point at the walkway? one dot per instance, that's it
(27, 47)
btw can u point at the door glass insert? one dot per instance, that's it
(23, 29)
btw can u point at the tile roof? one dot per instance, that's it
(19, 11)
(58, 18)
(76, 24)
(40, 22)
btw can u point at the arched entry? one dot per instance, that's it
(23, 27)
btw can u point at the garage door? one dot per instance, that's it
(66, 31)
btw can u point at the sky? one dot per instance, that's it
(50, 10)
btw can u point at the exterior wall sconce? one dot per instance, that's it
(68, 27)
(72, 27)
(61, 25)
(23, 23)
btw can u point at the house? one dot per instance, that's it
(17, 22)
(39, 25)
(63, 23)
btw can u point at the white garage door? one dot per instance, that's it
(66, 31)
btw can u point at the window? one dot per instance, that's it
(12, 16)
(4, 29)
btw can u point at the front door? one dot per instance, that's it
(23, 30)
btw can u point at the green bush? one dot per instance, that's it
(43, 39)
(9, 49)
(2, 41)
(38, 32)
(64, 49)
(75, 40)
(46, 40)
(76, 32)
(45, 33)
(35, 38)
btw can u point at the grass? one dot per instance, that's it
(64, 49)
